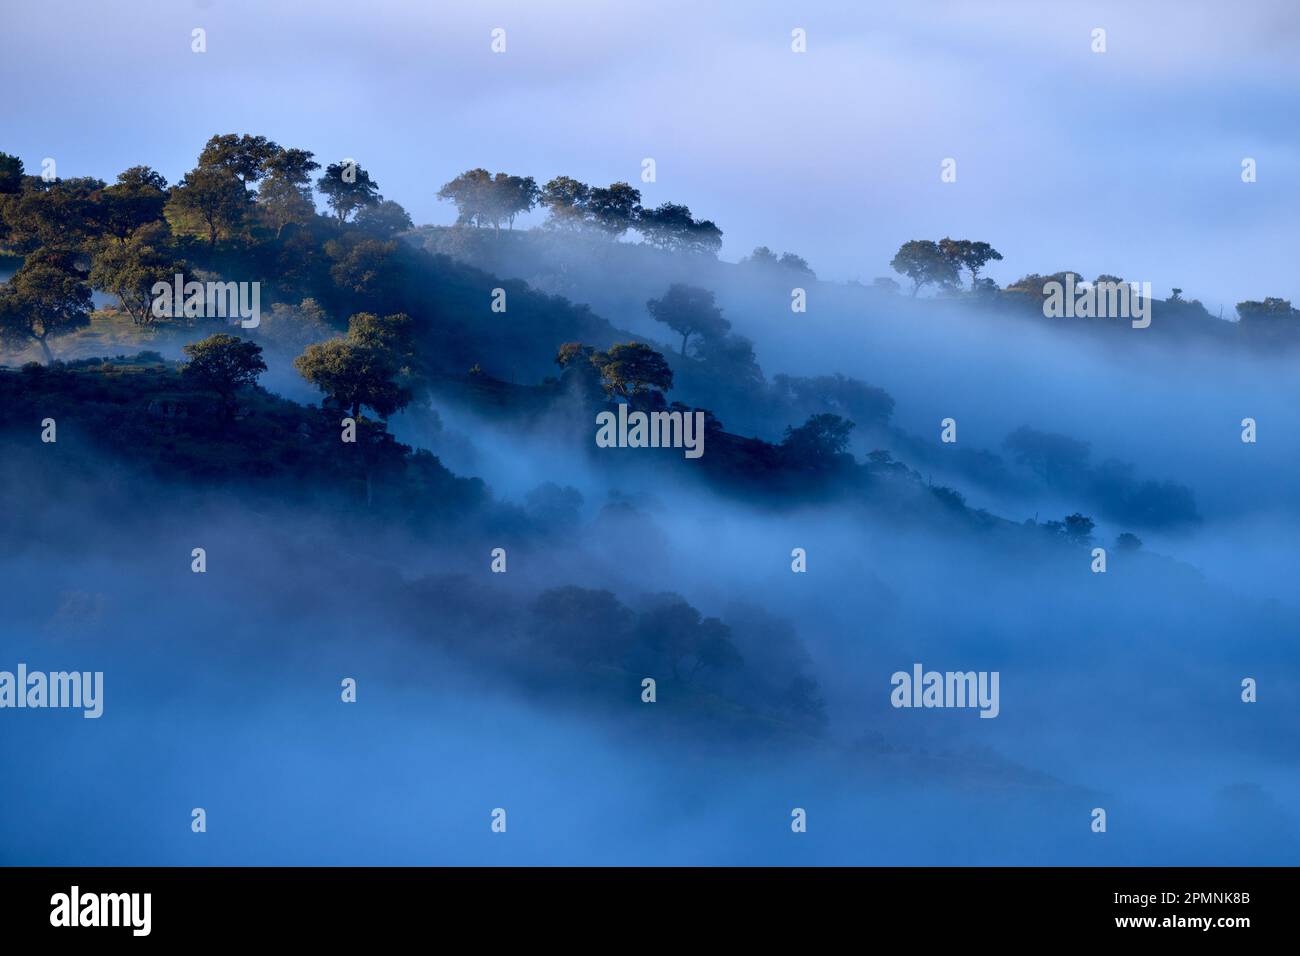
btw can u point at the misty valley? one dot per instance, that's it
(353, 521)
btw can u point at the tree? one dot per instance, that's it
(393, 336)
(223, 363)
(471, 194)
(209, 199)
(820, 442)
(43, 300)
(797, 264)
(58, 216)
(922, 261)
(291, 328)
(482, 199)
(1270, 310)
(353, 376)
(285, 196)
(761, 256)
(1128, 542)
(632, 369)
(385, 219)
(11, 174)
(614, 208)
(586, 625)
(688, 310)
(292, 166)
(669, 226)
(765, 258)
(969, 255)
(129, 270)
(511, 196)
(1078, 529)
(566, 199)
(280, 203)
(677, 635)
(245, 157)
(133, 202)
(347, 188)
(366, 267)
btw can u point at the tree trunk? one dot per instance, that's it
(49, 356)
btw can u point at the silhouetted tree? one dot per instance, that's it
(969, 255)
(566, 199)
(384, 219)
(689, 310)
(922, 261)
(818, 443)
(223, 363)
(347, 188)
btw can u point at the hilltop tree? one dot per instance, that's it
(969, 255)
(1078, 528)
(670, 226)
(566, 199)
(614, 208)
(42, 301)
(1128, 541)
(1271, 309)
(384, 220)
(292, 166)
(922, 261)
(765, 258)
(245, 157)
(210, 199)
(285, 195)
(482, 199)
(471, 194)
(511, 196)
(223, 363)
(688, 310)
(632, 369)
(796, 263)
(348, 188)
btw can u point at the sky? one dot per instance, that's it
(1125, 162)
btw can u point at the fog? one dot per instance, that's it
(1118, 690)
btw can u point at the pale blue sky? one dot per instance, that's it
(1125, 162)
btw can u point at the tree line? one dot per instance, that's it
(487, 200)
